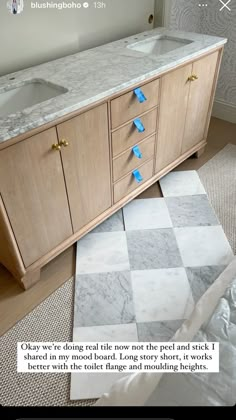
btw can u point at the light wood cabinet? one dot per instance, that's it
(86, 165)
(51, 196)
(200, 91)
(34, 194)
(53, 184)
(172, 115)
(185, 106)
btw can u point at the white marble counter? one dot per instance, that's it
(95, 74)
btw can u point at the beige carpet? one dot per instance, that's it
(52, 320)
(218, 176)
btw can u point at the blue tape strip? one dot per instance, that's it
(138, 177)
(140, 95)
(137, 152)
(139, 125)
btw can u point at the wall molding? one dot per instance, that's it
(224, 111)
(162, 13)
(166, 12)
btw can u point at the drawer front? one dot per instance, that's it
(129, 161)
(129, 184)
(128, 136)
(128, 106)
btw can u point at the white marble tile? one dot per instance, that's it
(203, 246)
(106, 333)
(161, 295)
(151, 213)
(181, 183)
(93, 385)
(102, 252)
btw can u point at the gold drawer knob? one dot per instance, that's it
(56, 146)
(64, 143)
(192, 78)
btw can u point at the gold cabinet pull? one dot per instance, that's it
(64, 143)
(56, 146)
(192, 78)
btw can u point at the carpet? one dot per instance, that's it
(52, 320)
(218, 176)
(139, 274)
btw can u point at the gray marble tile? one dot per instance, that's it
(103, 299)
(158, 331)
(150, 249)
(102, 252)
(201, 278)
(112, 224)
(194, 210)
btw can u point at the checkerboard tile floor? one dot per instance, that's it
(139, 274)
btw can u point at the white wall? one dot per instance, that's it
(39, 35)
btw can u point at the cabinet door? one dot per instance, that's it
(173, 108)
(199, 100)
(86, 163)
(33, 191)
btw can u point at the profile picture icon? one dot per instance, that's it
(15, 6)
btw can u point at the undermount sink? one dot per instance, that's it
(28, 94)
(159, 45)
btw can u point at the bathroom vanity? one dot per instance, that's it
(83, 135)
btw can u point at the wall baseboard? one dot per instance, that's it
(224, 111)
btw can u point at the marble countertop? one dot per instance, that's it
(95, 74)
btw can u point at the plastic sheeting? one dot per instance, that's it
(213, 319)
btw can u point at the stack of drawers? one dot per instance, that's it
(131, 169)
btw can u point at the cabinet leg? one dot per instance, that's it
(30, 279)
(200, 152)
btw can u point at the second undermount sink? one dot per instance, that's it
(30, 93)
(159, 45)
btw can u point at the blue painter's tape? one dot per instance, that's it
(140, 95)
(139, 125)
(137, 152)
(138, 177)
